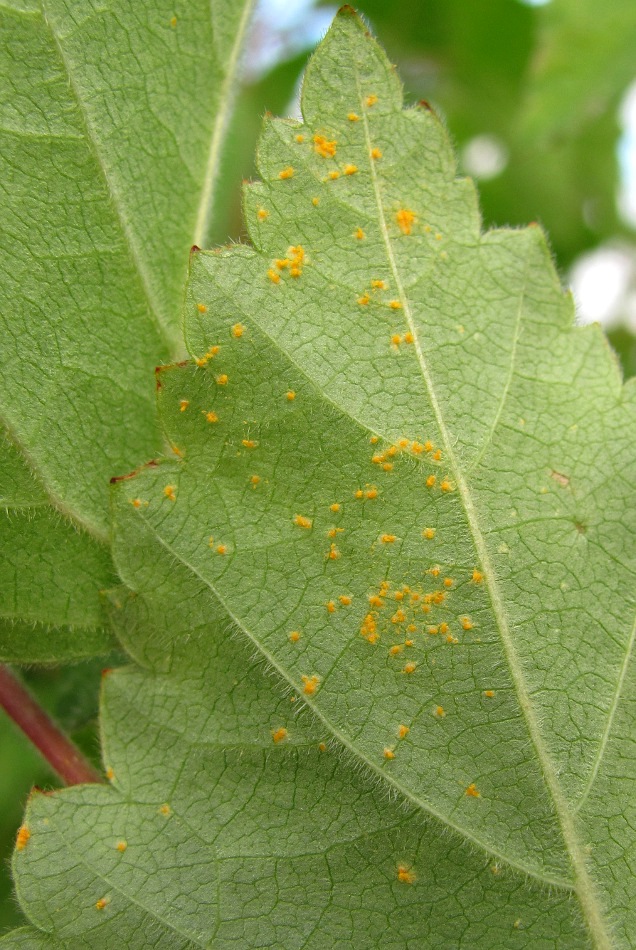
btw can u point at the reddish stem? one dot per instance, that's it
(57, 749)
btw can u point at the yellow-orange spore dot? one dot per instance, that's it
(417, 448)
(300, 139)
(368, 628)
(183, 405)
(395, 650)
(387, 538)
(286, 173)
(403, 731)
(371, 100)
(428, 446)
(302, 522)
(22, 838)
(388, 753)
(290, 395)
(173, 22)
(489, 693)
(334, 175)
(378, 459)
(430, 481)
(221, 549)
(279, 735)
(170, 492)
(363, 300)
(353, 117)
(315, 202)
(359, 234)
(378, 284)
(445, 485)
(213, 351)
(406, 875)
(333, 554)
(376, 153)
(440, 712)
(443, 628)
(428, 533)
(448, 582)
(121, 846)
(102, 903)
(222, 379)
(201, 307)
(350, 169)
(210, 416)
(110, 774)
(238, 330)
(409, 667)
(398, 595)
(262, 214)
(374, 439)
(396, 339)
(322, 746)
(165, 810)
(437, 455)
(405, 220)
(310, 684)
(331, 606)
(477, 577)
(472, 791)
(451, 639)
(409, 338)
(434, 571)
(334, 532)
(432, 630)
(282, 263)
(376, 601)
(249, 443)
(466, 623)
(345, 600)
(439, 597)
(358, 493)
(294, 636)
(371, 493)
(387, 466)
(255, 480)
(392, 451)
(323, 147)
(136, 502)
(396, 305)
(335, 507)
(398, 617)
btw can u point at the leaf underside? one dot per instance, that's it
(112, 122)
(477, 592)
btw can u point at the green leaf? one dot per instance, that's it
(51, 575)
(516, 731)
(215, 834)
(584, 61)
(112, 123)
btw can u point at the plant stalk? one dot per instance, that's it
(54, 746)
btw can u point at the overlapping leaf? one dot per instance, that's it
(112, 126)
(395, 445)
(231, 822)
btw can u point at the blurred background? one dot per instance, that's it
(540, 99)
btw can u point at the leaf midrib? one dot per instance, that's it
(583, 886)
